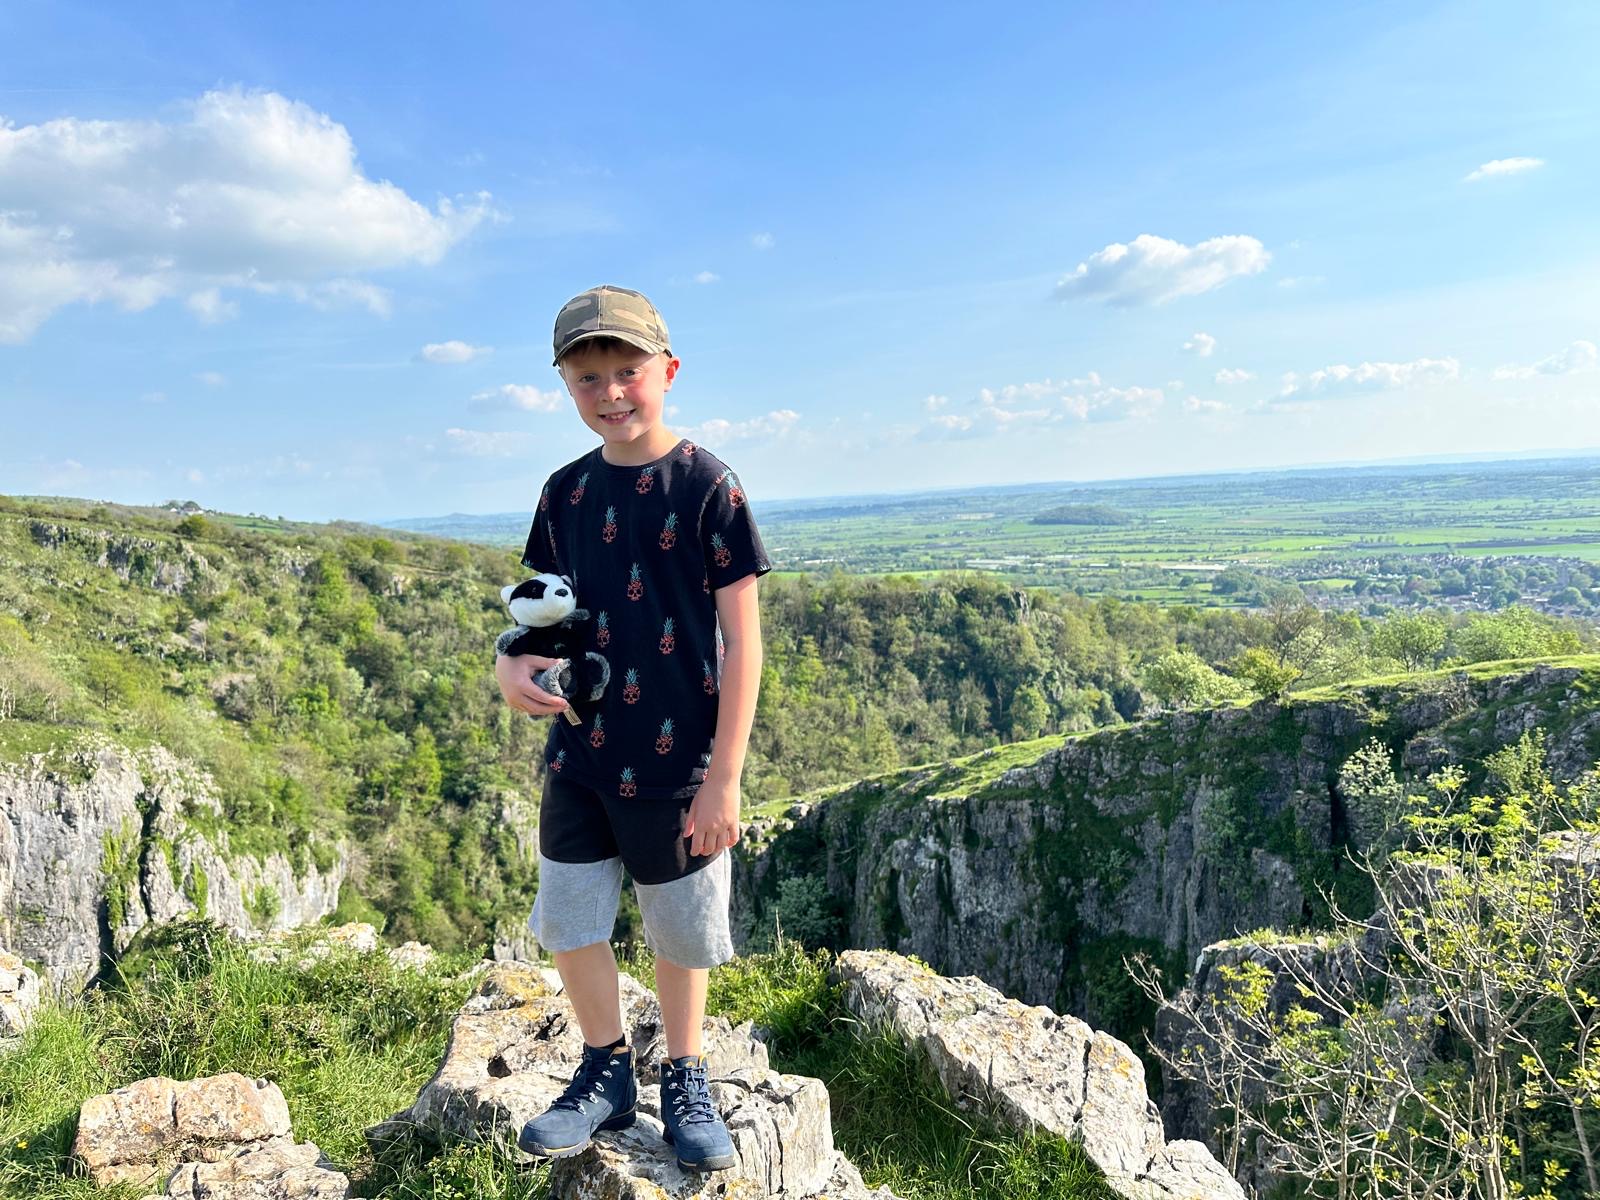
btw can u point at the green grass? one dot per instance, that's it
(1477, 670)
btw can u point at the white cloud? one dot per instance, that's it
(1372, 376)
(482, 443)
(707, 277)
(1580, 356)
(1233, 375)
(453, 352)
(522, 397)
(935, 403)
(1502, 166)
(1201, 344)
(719, 432)
(246, 191)
(1041, 403)
(762, 241)
(211, 378)
(210, 307)
(1153, 270)
(195, 475)
(1195, 404)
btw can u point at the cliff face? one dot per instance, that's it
(1160, 837)
(98, 841)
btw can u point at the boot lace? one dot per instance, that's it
(691, 1099)
(587, 1084)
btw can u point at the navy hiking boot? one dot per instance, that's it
(602, 1095)
(690, 1121)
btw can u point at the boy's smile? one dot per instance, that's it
(620, 392)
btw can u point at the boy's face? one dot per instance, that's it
(620, 391)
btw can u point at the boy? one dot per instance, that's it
(657, 539)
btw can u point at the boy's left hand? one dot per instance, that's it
(713, 820)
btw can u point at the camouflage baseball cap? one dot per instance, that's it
(608, 311)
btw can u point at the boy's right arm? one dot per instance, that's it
(515, 674)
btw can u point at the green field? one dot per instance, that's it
(1515, 531)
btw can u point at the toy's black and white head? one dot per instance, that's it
(542, 600)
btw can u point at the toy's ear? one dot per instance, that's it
(505, 593)
(566, 579)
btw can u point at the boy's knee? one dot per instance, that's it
(686, 920)
(576, 904)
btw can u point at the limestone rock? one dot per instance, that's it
(138, 1132)
(95, 844)
(416, 955)
(19, 995)
(1030, 1067)
(513, 1048)
(296, 1171)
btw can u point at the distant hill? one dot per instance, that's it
(1083, 514)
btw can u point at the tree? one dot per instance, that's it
(1030, 712)
(1417, 641)
(1182, 677)
(1263, 672)
(1514, 632)
(1457, 1053)
(1296, 632)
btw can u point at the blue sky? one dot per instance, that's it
(304, 259)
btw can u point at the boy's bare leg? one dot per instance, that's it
(589, 974)
(683, 1005)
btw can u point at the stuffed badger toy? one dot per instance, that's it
(550, 623)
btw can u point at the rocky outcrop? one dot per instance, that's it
(297, 1171)
(218, 1137)
(512, 1050)
(1163, 837)
(19, 995)
(98, 841)
(1033, 1068)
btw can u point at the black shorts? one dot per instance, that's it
(578, 824)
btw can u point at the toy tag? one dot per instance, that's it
(572, 717)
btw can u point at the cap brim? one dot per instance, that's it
(622, 335)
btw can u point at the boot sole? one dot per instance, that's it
(619, 1121)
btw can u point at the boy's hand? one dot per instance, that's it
(515, 672)
(713, 820)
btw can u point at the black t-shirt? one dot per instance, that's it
(645, 548)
